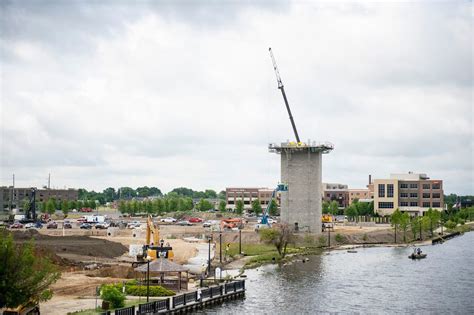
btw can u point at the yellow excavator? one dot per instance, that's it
(154, 247)
(327, 221)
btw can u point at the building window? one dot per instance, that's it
(403, 204)
(382, 190)
(426, 204)
(403, 195)
(413, 186)
(386, 205)
(413, 195)
(390, 190)
(403, 185)
(436, 186)
(246, 202)
(426, 195)
(426, 186)
(436, 204)
(414, 204)
(230, 202)
(436, 195)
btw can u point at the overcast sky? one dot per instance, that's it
(183, 93)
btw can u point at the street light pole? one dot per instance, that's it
(209, 256)
(220, 247)
(240, 241)
(148, 281)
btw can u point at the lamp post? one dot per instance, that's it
(220, 246)
(209, 256)
(329, 237)
(240, 241)
(148, 279)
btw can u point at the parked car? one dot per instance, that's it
(52, 225)
(82, 219)
(67, 224)
(210, 223)
(184, 223)
(85, 226)
(134, 224)
(29, 225)
(102, 226)
(86, 210)
(38, 225)
(195, 220)
(16, 225)
(168, 220)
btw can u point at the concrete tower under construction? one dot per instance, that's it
(301, 168)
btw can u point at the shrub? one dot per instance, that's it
(154, 290)
(450, 225)
(113, 295)
(322, 241)
(365, 238)
(461, 221)
(340, 238)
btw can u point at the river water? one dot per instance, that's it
(372, 281)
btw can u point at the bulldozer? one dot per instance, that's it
(154, 247)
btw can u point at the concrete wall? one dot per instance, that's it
(301, 171)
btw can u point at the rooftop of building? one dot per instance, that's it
(292, 146)
(409, 176)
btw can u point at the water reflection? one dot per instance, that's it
(373, 280)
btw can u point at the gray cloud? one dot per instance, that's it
(166, 94)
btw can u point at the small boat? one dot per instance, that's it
(417, 256)
(352, 251)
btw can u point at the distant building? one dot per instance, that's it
(14, 197)
(412, 193)
(337, 192)
(247, 195)
(358, 194)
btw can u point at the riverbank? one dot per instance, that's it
(256, 255)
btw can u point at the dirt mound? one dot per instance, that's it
(118, 271)
(76, 245)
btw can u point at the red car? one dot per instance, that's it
(16, 226)
(81, 219)
(195, 220)
(86, 210)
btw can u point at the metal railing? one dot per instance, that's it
(126, 311)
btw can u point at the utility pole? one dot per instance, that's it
(49, 180)
(220, 246)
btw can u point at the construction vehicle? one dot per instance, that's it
(327, 221)
(282, 89)
(154, 247)
(280, 187)
(30, 212)
(231, 223)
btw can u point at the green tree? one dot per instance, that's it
(222, 195)
(127, 193)
(25, 205)
(433, 219)
(256, 207)
(122, 207)
(211, 194)
(72, 205)
(351, 211)
(415, 226)
(334, 207)
(204, 205)
(395, 219)
(173, 204)
(24, 277)
(50, 206)
(325, 207)
(273, 209)
(279, 236)
(239, 207)
(65, 207)
(109, 194)
(222, 205)
(404, 224)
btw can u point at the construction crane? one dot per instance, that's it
(266, 213)
(282, 89)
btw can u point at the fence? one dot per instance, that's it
(181, 300)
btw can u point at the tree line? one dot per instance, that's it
(111, 194)
(402, 222)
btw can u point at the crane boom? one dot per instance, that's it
(282, 89)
